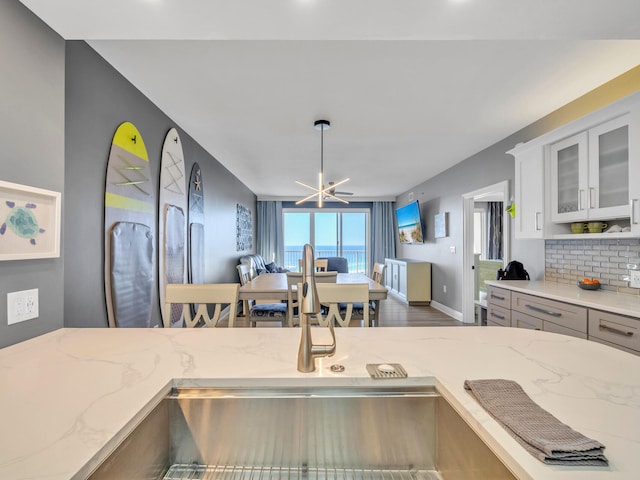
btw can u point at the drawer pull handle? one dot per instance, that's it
(501, 317)
(498, 297)
(542, 310)
(617, 331)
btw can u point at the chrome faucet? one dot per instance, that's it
(309, 305)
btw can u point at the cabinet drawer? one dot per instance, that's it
(522, 320)
(555, 328)
(559, 313)
(499, 297)
(613, 345)
(498, 316)
(623, 331)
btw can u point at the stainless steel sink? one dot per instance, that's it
(303, 433)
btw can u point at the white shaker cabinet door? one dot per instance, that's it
(609, 179)
(569, 171)
(529, 193)
(634, 169)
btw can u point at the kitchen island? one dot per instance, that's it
(69, 397)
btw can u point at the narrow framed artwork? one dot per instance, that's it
(29, 222)
(244, 228)
(441, 228)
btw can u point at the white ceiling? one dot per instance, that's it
(411, 87)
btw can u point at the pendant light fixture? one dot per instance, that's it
(321, 192)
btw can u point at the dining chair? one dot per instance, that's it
(223, 297)
(260, 310)
(295, 278)
(244, 273)
(336, 264)
(321, 265)
(378, 272)
(339, 299)
(377, 275)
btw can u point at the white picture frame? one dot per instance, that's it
(441, 225)
(29, 222)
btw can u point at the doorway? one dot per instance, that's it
(482, 252)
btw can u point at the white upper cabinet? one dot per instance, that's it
(634, 171)
(529, 192)
(590, 174)
(568, 168)
(608, 195)
(586, 170)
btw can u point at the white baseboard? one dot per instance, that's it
(449, 311)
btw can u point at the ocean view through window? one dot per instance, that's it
(332, 233)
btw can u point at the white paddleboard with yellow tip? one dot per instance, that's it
(129, 213)
(172, 223)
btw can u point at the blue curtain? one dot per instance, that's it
(270, 243)
(383, 236)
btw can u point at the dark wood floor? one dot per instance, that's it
(394, 313)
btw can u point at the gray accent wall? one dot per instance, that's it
(32, 137)
(98, 99)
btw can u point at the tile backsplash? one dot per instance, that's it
(567, 261)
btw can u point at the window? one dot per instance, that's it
(332, 233)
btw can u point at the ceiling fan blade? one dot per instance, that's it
(331, 188)
(329, 196)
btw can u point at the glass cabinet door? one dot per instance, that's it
(569, 173)
(568, 187)
(609, 169)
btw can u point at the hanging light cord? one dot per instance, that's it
(322, 149)
(321, 191)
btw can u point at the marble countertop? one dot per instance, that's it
(623, 304)
(68, 397)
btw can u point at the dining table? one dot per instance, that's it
(274, 286)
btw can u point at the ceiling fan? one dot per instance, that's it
(332, 189)
(323, 192)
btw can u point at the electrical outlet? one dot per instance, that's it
(452, 249)
(22, 306)
(444, 288)
(634, 278)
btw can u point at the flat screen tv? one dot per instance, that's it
(409, 224)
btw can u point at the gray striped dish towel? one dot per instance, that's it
(539, 432)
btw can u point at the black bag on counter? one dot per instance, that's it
(513, 271)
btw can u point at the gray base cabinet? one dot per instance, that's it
(520, 310)
(615, 330)
(498, 307)
(508, 308)
(522, 320)
(550, 315)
